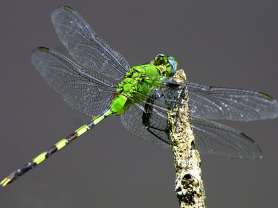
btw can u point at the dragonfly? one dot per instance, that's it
(98, 81)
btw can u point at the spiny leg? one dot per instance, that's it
(146, 116)
(55, 148)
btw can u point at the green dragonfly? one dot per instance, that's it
(97, 80)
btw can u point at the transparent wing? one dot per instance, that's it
(220, 103)
(230, 104)
(85, 46)
(149, 121)
(88, 93)
(218, 139)
(164, 97)
(145, 125)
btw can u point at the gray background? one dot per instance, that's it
(218, 42)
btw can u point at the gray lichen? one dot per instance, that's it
(189, 186)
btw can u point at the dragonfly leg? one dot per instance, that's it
(172, 83)
(148, 111)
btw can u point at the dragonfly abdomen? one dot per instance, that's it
(62, 143)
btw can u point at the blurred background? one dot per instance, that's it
(218, 42)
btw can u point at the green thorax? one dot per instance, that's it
(138, 82)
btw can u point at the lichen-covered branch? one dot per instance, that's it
(189, 186)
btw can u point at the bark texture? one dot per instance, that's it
(189, 186)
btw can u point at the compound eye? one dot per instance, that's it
(160, 55)
(160, 59)
(173, 65)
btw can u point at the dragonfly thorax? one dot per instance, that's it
(136, 85)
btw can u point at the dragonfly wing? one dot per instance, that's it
(218, 139)
(144, 125)
(88, 93)
(211, 137)
(230, 104)
(148, 119)
(85, 46)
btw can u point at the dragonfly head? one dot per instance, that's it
(167, 64)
